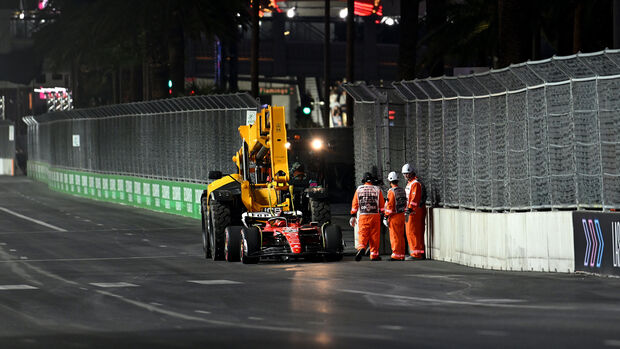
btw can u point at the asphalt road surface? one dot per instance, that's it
(76, 273)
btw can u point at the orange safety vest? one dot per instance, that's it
(413, 201)
(367, 200)
(399, 196)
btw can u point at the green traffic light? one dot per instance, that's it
(306, 110)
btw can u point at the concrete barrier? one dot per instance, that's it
(6, 167)
(528, 241)
(7, 147)
(181, 198)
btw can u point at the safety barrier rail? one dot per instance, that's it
(177, 139)
(154, 155)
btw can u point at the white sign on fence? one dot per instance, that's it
(11, 133)
(76, 141)
(250, 117)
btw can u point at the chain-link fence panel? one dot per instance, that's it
(175, 139)
(587, 143)
(435, 154)
(466, 140)
(365, 133)
(561, 145)
(398, 130)
(499, 195)
(538, 148)
(365, 138)
(517, 151)
(422, 166)
(482, 152)
(609, 120)
(419, 122)
(536, 135)
(449, 150)
(392, 130)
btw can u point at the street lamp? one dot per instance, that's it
(317, 144)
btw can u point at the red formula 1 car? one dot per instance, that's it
(265, 235)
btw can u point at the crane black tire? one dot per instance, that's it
(320, 211)
(205, 225)
(333, 243)
(219, 219)
(250, 245)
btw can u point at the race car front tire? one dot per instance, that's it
(333, 243)
(250, 245)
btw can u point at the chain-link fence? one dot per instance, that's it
(536, 135)
(177, 139)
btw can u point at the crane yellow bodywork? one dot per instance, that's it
(262, 164)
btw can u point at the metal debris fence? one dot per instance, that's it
(533, 136)
(178, 139)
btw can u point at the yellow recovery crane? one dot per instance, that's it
(249, 214)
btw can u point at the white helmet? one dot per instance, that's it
(393, 176)
(407, 169)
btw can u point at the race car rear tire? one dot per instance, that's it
(250, 244)
(232, 247)
(333, 243)
(320, 211)
(219, 219)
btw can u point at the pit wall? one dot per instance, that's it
(524, 241)
(6, 167)
(181, 198)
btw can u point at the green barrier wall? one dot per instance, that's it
(179, 198)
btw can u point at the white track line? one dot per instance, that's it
(16, 287)
(32, 219)
(214, 282)
(94, 259)
(113, 284)
(451, 302)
